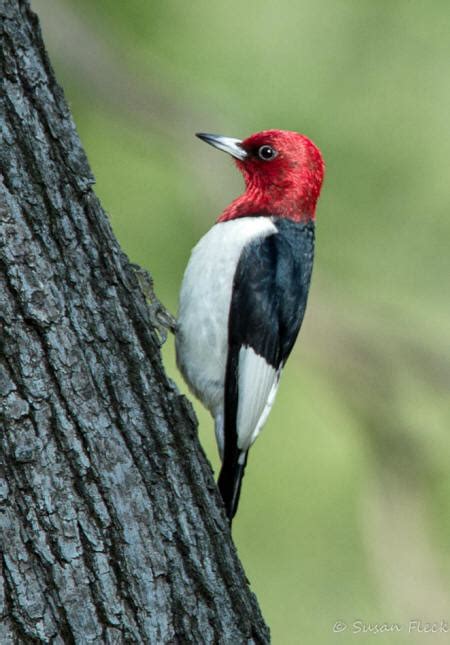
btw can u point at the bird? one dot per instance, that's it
(244, 291)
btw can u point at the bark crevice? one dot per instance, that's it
(111, 526)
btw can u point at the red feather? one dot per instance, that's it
(286, 186)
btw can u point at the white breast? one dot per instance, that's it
(202, 337)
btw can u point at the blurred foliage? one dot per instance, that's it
(345, 506)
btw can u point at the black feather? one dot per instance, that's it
(269, 296)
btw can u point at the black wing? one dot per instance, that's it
(268, 303)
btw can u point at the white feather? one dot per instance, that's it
(202, 337)
(258, 383)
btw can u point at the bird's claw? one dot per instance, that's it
(162, 319)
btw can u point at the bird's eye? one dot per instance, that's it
(266, 153)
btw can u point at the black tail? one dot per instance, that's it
(230, 480)
(234, 461)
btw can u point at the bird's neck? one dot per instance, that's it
(288, 199)
(302, 209)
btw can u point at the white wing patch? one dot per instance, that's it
(202, 337)
(257, 386)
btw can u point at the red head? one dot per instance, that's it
(283, 173)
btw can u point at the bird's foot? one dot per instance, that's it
(161, 318)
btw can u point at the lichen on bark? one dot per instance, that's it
(111, 526)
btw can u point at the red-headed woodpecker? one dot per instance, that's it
(244, 291)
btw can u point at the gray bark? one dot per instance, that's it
(112, 529)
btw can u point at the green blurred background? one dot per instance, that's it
(345, 506)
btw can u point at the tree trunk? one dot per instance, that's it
(112, 529)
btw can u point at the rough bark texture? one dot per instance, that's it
(112, 530)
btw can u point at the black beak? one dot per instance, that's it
(227, 144)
